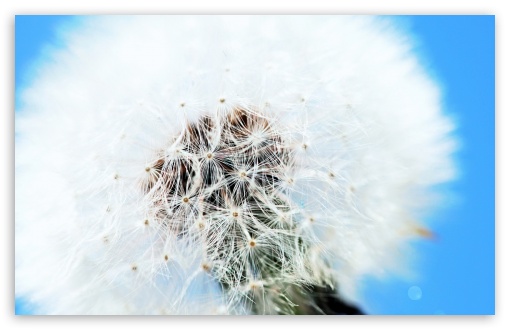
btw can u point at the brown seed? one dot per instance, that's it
(252, 243)
(146, 222)
(185, 199)
(166, 257)
(235, 214)
(425, 233)
(134, 268)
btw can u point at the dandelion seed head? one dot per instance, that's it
(244, 166)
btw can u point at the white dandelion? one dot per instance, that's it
(222, 165)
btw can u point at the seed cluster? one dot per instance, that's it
(221, 182)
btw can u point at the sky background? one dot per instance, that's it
(456, 269)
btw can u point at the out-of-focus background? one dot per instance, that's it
(457, 267)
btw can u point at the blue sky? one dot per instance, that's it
(457, 270)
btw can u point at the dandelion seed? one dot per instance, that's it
(206, 268)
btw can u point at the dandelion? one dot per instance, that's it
(212, 165)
